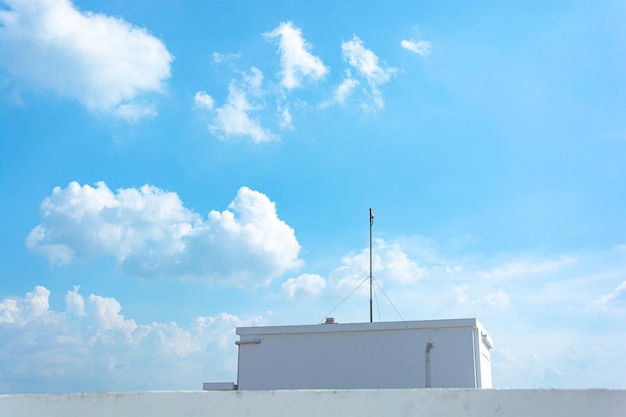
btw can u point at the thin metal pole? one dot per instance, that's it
(371, 224)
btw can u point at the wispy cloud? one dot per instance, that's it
(151, 234)
(418, 47)
(103, 62)
(367, 65)
(297, 61)
(305, 284)
(366, 62)
(219, 58)
(286, 121)
(203, 101)
(361, 83)
(343, 91)
(499, 298)
(135, 111)
(233, 118)
(614, 302)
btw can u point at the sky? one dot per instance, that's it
(171, 170)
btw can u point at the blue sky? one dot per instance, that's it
(172, 170)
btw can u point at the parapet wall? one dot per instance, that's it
(314, 403)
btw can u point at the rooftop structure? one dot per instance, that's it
(409, 354)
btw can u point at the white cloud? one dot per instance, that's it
(296, 59)
(20, 311)
(418, 47)
(519, 268)
(497, 299)
(345, 89)
(219, 58)
(390, 263)
(74, 302)
(134, 111)
(306, 284)
(100, 350)
(233, 118)
(103, 62)
(420, 281)
(367, 65)
(203, 101)
(9, 310)
(106, 312)
(151, 234)
(366, 62)
(286, 121)
(397, 265)
(253, 81)
(614, 302)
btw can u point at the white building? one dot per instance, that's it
(409, 354)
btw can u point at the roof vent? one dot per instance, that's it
(330, 320)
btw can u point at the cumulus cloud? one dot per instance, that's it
(103, 62)
(20, 311)
(418, 47)
(367, 65)
(106, 314)
(74, 302)
(151, 234)
(305, 284)
(101, 350)
(296, 59)
(390, 263)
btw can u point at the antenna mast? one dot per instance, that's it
(371, 276)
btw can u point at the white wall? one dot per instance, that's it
(361, 403)
(363, 356)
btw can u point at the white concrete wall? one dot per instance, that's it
(482, 352)
(361, 403)
(363, 356)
